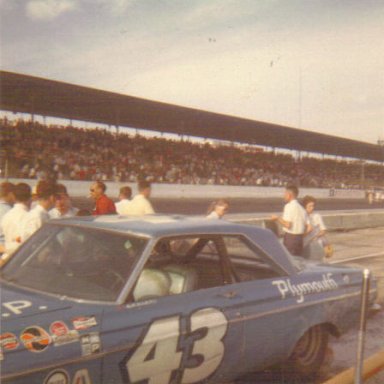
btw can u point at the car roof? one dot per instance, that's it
(152, 225)
(157, 226)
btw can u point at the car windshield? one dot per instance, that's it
(76, 262)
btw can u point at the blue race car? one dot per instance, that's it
(163, 299)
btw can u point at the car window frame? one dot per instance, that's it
(264, 255)
(228, 270)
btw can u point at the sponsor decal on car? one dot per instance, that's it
(8, 341)
(90, 343)
(300, 290)
(84, 322)
(61, 335)
(35, 338)
(58, 328)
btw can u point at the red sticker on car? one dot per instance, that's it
(58, 328)
(8, 341)
(83, 322)
(35, 338)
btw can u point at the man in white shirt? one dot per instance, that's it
(11, 222)
(6, 201)
(294, 221)
(46, 197)
(63, 205)
(140, 205)
(122, 206)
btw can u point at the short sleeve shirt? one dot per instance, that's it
(104, 206)
(297, 216)
(317, 222)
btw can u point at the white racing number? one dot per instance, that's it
(157, 357)
(210, 347)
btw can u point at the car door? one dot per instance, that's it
(190, 334)
(271, 327)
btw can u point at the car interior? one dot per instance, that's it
(181, 265)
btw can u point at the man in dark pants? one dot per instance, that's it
(294, 221)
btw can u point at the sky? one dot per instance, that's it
(311, 64)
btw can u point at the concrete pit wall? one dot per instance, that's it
(334, 221)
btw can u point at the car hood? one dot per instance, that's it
(17, 302)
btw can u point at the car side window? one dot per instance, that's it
(248, 262)
(180, 265)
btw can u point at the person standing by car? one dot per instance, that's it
(217, 209)
(6, 201)
(11, 222)
(294, 221)
(36, 217)
(122, 206)
(104, 205)
(318, 228)
(140, 204)
(63, 205)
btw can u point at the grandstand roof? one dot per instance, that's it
(28, 94)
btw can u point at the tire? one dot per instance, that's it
(309, 353)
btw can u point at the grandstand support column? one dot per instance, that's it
(117, 120)
(362, 180)
(380, 143)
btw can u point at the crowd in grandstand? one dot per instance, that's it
(38, 151)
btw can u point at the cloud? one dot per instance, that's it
(7, 5)
(48, 9)
(115, 7)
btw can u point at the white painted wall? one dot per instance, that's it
(174, 191)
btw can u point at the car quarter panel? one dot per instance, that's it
(279, 311)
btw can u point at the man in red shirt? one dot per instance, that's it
(104, 205)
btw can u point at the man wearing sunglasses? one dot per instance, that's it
(103, 204)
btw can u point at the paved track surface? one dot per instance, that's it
(199, 206)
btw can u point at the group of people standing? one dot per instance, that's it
(139, 205)
(301, 224)
(23, 210)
